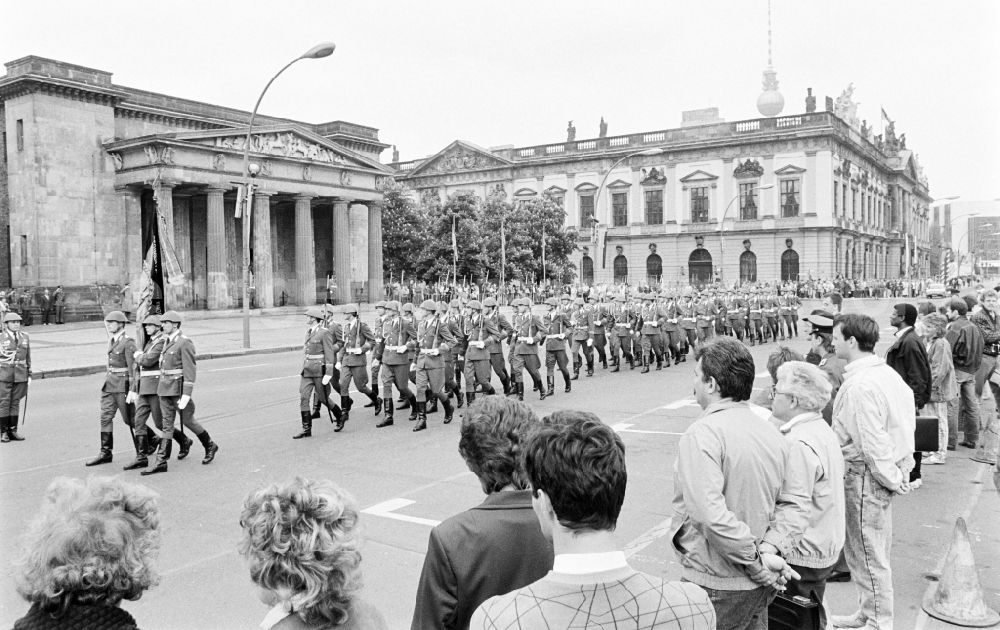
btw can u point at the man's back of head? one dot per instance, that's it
(725, 370)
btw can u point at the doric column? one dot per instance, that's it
(375, 271)
(218, 281)
(182, 245)
(263, 270)
(131, 197)
(342, 250)
(305, 260)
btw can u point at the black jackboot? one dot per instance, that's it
(470, 398)
(645, 363)
(211, 448)
(345, 413)
(104, 457)
(162, 457)
(659, 362)
(307, 425)
(387, 420)
(551, 382)
(141, 443)
(569, 383)
(616, 364)
(152, 442)
(421, 416)
(12, 429)
(375, 400)
(631, 361)
(3, 429)
(520, 390)
(430, 402)
(183, 444)
(414, 412)
(449, 410)
(576, 371)
(458, 396)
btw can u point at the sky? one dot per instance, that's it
(515, 72)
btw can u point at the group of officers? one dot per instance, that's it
(447, 351)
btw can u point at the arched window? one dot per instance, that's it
(748, 266)
(789, 265)
(587, 273)
(621, 268)
(654, 268)
(700, 267)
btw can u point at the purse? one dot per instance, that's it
(793, 613)
(925, 438)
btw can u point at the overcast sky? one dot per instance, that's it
(515, 72)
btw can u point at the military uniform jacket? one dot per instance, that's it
(413, 349)
(688, 319)
(379, 346)
(15, 365)
(651, 319)
(770, 307)
(601, 319)
(755, 308)
(671, 317)
(396, 332)
(356, 335)
(556, 323)
(320, 353)
(705, 312)
(432, 334)
(454, 323)
(121, 360)
(582, 322)
(784, 306)
(736, 309)
(505, 331)
(524, 326)
(621, 320)
(478, 327)
(721, 308)
(177, 367)
(146, 376)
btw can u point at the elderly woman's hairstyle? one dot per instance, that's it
(493, 431)
(301, 542)
(806, 382)
(926, 307)
(779, 357)
(935, 323)
(92, 542)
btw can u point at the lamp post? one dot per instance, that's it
(597, 195)
(249, 171)
(958, 249)
(722, 230)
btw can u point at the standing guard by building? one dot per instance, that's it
(115, 393)
(318, 370)
(480, 332)
(399, 337)
(434, 340)
(556, 324)
(491, 312)
(353, 363)
(15, 375)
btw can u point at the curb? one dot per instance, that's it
(84, 370)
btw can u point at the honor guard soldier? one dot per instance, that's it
(178, 370)
(650, 320)
(454, 359)
(705, 312)
(353, 363)
(735, 315)
(721, 310)
(581, 320)
(480, 332)
(407, 314)
(600, 323)
(621, 321)
(491, 312)
(822, 354)
(399, 338)
(785, 316)
(528, 333)
(434, 339)
(756, 317)
(377, 348)
(318, 369)
(771, 316)
(15, 375)
(556, 325)
(115, 391)
(689, 324)
(669, 329)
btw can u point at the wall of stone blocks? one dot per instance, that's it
(6, 135)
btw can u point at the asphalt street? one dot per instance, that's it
(406, 482)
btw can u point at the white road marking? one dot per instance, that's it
(625, 427)
(276, 378)
(386, 509)
(763, 375)
(677, 404)
(238, 367)
(647, 538)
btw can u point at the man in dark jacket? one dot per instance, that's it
(967, 354)
(909, 358)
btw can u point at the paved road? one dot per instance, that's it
(406, 482)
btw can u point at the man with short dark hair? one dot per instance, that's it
(575, 466)
(908, 357)
(966, 354)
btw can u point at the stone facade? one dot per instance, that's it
(87, 163)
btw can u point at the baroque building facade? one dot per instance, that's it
(92, 174)
(762, 200)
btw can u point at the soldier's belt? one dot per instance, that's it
(19, 362)
(583, 328)
(426, 350)
(143, 373)
(172, 372)
(624, 325)
(688, 319)
(315, 357)
(117, 370)
(672, 321)
(755, 310)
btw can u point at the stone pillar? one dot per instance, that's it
(342, 250)
(305, 265)
(182, 245)
(218, 281)
(358, 221)
(376, 276)
(263, 270)
(173, 296)
(133, 255)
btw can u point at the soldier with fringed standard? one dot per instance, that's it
(491, 312)
(178, 370)
(399, 338)
(15, 375)
(115, 393)
(433, 339)
(352, 362)
(528, 332)
(317, 373)
(556, 325)
(479, 332)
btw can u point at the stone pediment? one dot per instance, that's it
(619, 183)
(789, 169)
(555, 191)
(460, 156)
(699, 176)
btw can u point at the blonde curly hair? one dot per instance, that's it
(301, 541)
(92, 542)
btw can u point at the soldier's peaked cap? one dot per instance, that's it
(408, 307)
(315, 312)
(821, 320)
(381, 304)
(116, 316)
(392, 305)
(171, 316)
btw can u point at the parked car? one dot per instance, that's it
(937, 289)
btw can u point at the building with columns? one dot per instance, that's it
(85, 165)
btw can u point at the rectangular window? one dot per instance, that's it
(24, 250)
(836, 198)
(748, 201)
(854, 204)
(619, 209)
(20, 134)
(3, 146)
(586, 211)
(654, 207)
(790, 198)
(699, 205)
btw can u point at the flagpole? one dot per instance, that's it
(454, 252)
(543, 256)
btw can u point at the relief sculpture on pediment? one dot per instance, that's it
(460, 160)
(284, 144)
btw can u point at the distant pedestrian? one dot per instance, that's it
(128, 300)
(944, 388)
(59, 300)
(967, 354)
(908, 357)
(46, 301)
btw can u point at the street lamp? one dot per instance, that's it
(597, 195)
(318, 51)
(722, 230)
(958, 248)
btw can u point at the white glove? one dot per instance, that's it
(337, 366)
(461, 357)
(355, 351)
(590, 342)
(29, 380)
(130, 398)
(183, 402)
(401, 350)
(376, 363)
(329, 377)
(654, 323)
(434, 352)
(137, 354)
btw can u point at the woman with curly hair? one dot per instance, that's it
(92, 544)
(300, 539)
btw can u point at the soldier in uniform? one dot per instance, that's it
(318, 368)
(453, 360)
(672, 326)
(689, 324)
(793, 307)
(581, 320)
(491, 312)
(735, 315)
(771, 316)
(434, 340)
(721, 311)
(557, 325)
(178, 370)
(408, 316)
(377, 348)
(399, 337)
(705, 312)
(822, 354)
(785, 316)
(528, 332)
(15, 374)
(600, 316)
(621, 321)
(755, 310)
(352, 362)
(115, 391)
(650, 320)
(479, 332)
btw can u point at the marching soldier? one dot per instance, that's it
(581, 320)
(669, 329)
(407, 315)
(599, 312)
(318, 369)
(650, 319)
(353, 363)
(433, 339)
(785, 316)
(491, 312)
(399, 337)
(15, 375)
(621, 319)
(377, 348)
(178, 370)
(480, 332)
(721, 312)
(556, 325)
(705, 312)
(527, 334)
(453, 360)
(735, 315)
(689, 324)
(115, 391)
(756, 317)
(771, 316)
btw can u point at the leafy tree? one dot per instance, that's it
(436, 259)
(525, 222)
(404, 231)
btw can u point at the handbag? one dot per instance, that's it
(793, 613)
(925, 438)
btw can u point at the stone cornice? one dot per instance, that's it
(12, 87)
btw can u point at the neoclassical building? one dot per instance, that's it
(93, 173)
(767, 199)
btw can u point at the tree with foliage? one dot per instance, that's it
(404, 231)
(525, 222)
(462, 213)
